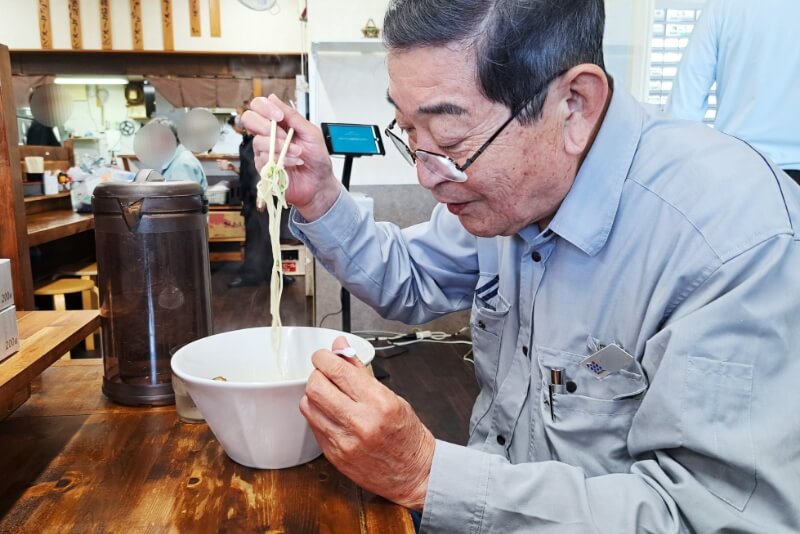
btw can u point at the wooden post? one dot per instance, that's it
(14, 233)
(136, 24)
(194, 17)
(105, 24)
(45, 27)
(75, 34)
(166, 25)
(214, 17)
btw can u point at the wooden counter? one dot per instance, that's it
(73, 462)
(44, 337)
(51, 225)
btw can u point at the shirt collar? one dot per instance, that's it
(587, 213)
(178, 150)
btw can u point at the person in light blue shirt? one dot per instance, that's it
(182, 165)
(574, 224)
(750, 50)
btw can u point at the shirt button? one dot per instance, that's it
(481, 325)
(525, 351)
(536, 256)
(501, 440)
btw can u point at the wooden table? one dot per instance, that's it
(44, 337)
(73, 462)
(51, 225)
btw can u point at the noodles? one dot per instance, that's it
(272, 192)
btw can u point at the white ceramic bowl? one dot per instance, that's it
(255, 415)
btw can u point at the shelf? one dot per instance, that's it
(51, 225)
(44, 337)
(39, 198)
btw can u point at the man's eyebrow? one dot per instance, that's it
(442, 108)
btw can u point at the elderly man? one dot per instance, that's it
(635, 344)
(180, 165)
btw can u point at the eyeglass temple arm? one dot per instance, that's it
(389, 133)
(489, 141)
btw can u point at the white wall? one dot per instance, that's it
(243, 30)
(330, 20)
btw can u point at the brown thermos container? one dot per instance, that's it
(154, 282)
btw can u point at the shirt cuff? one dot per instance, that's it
(335, 227)
(457, 488)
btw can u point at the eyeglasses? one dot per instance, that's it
(446, 167)
(440, 165)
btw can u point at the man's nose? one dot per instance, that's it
(427, 179)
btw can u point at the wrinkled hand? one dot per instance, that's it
(313, 188)
(370, 434)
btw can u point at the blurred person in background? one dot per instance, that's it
(750, 50)
(182, 165)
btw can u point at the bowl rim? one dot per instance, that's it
(253, 385)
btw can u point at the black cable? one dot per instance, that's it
(328, 315)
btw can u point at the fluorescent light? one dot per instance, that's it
(64, 80)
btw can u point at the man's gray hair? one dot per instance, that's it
(169, 124)
(520, 45)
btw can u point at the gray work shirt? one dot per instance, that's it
(678, 244)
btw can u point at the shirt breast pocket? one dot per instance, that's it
(588, 427)
(487, 322)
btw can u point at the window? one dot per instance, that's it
(672, 28)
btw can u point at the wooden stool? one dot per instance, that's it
(64, 286)
(91, 301)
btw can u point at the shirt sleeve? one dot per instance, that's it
(412, 275)
(697, 70)
(712, 445)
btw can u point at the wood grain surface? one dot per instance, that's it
(13, 236)
(136, 24)
(75, 33)
(42, 203)
(52, 225)
(105, 25)
(87, 466)
(194, 18)
(44, 337)
(168, 37)
(45, 26)
(214, 16)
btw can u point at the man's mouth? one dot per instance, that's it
(456, 207)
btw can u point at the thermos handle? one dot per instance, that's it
(148, 175)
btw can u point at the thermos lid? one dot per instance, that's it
(132, 201)
(159, 197)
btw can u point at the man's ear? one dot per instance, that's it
(586, 90)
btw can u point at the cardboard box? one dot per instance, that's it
(6, 285)
(225, 225)
(9, 335)
(294, 259)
